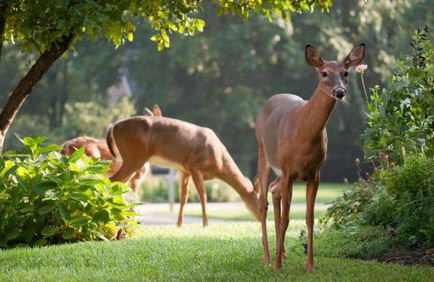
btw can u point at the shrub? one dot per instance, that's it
(362, 242)
(411, 187)
(346, 210)
(401, 199)
(46, 197)
(400, 117)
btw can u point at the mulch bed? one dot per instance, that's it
(424, 256)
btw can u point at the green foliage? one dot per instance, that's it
(46, 197)
(401, 199)
(92, 118)
(400, 117)
(38, 25)
(411, 200)
(362, 242)
(345, 211)
(80, 118)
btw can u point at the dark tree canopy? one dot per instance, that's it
(51, 27)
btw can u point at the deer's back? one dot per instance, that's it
(171, 142)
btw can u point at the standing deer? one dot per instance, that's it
(195, 151)
(97, 148)
(292, 140)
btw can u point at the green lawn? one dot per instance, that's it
(221, 252)
(326, 192)
(244, 215)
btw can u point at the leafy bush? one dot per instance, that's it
(401, 200)
(46, 197)
(400, 117)
(362, 242)
(411, 188)
(346, 210)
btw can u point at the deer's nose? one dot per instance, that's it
(339, 92)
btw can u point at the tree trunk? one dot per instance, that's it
(2, 25)
(64, 93)
(24, 87)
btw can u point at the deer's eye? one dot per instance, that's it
(345, 73)
(324, 74)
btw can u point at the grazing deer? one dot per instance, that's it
(292, 141)
(97, 148)
(195, 151)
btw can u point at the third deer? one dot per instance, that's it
(292, 141)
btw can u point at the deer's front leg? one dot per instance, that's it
(311, 190)
(198, 182)
(286, 190)
(183, 196)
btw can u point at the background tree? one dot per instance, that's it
(221, 77)
(51, 27)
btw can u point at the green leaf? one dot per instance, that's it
(79, 197)
(50, 231)
(76, 155)
(63, 211)
(79, 221)
(101, 216)
(67, 234)
(46, 208)
(48, 149)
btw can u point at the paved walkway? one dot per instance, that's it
(161, 214)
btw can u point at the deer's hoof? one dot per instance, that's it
(310, 268)
(266, 260)
(277, 267)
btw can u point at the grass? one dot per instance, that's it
(222, 252)
(326, 192)
(243, 214)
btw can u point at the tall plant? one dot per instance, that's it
(400, 117)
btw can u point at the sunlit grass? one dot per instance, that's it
(221, 252)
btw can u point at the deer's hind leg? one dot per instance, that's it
(132, 160)
(263, 175)
(200, 187)
(277, 206)
(183, 196)
(286, 189)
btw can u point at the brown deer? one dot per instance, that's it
(292, 141)
(195, 151)
(97, 148)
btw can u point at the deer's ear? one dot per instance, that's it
(156, 111)
(148, 112)
(355, 57)
(312, 56)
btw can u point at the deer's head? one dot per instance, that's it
(334, 75)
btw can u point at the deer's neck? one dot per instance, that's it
(316, 113)
(232, 175)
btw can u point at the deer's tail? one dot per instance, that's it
(111, 142)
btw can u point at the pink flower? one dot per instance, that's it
(361, 68)
(392, 232)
